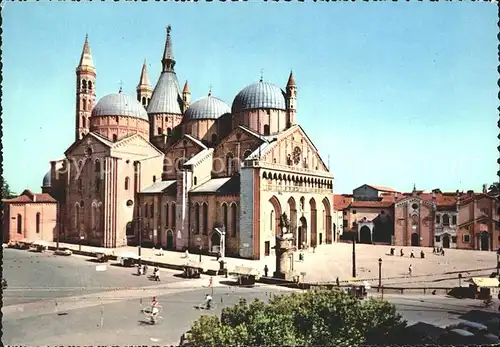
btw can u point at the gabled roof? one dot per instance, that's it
(199, 156)
(381, 188)
(465, 199)
(28, 197)
(220, 186)
(158, 187)
(190, 138)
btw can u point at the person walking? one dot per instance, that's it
(410, 269)
(266, 270)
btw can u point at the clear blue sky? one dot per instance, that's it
(394, 93)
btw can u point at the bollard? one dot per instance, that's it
(221, 301)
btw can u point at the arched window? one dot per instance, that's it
(196, 218)
(247, 153)
(266, 130)
(84, 124)
(89, 104)
(169, 131)
(173, 216)
(115, 137)
(19, 224)
(84, 101)
(205, 219)
(127, 182)
(225, 216)
(37, 227)
(90, 85)
(80, 185)
(167, 221)
(151, 210)
(159, 131)
(97, 172)
(234, 218)
(84, 84)
(229, 164)
(143, 101)
(446, 219)
(154, 179)
(195, 181)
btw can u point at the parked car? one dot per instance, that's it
(63, 251)
(457, 337)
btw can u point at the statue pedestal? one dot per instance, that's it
(284, 257)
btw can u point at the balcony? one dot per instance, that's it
(295, 189)
(287, 168)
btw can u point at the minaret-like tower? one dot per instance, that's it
(291, 98)
(168, 60)
(85, 91)
(186, 96)
(144, 89)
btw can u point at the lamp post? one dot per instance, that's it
(353, 254)
(498, 262)
(139, 233)
(379, 273)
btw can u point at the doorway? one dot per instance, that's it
(365, 235)
(170, 239)
(320, 239)
(267, 248)
(485, 241)
(302, 232)
(415, 239)
(446, 241)
(215, 239)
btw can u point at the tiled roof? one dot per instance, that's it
(220, 186)
(341, 201)
(381, 188)
(367, 204)
(29, 197)
(465, 199)
(158, 187)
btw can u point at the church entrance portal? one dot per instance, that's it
(446, 241)
(170, 239)
(365, 235)
(485, 241)
(302, 232)
(215, 239)
(415, 239)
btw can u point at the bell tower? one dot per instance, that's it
(85, 91)
(291, 98)
(144, 89)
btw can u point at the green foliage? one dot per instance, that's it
(313, 318)
(6, 192)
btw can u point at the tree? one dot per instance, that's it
(6, 192)
(313, 318)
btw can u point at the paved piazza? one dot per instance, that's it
(65, 301)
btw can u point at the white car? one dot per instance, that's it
(63, 251)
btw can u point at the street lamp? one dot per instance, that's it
(379, 273)
(139, 233)
(498, 262)
(353, 254)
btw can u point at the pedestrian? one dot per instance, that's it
(412, 255)
(434, 250)
(145, 269)
(186, 254)
(211, 282)
(442, 252)
(401, 252)
(337, 281)
(266, 270)
(314, 249)
(410, 269)
(422, 254)
(218, 255)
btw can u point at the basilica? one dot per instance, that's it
(162, 170)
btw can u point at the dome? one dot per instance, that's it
(259, 95)
(119, 104)
(46, 180)
(208, 107)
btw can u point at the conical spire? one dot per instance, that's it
(144, 80)
(186, 88)
(291, 80)
(86, 58)
(168, 60)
